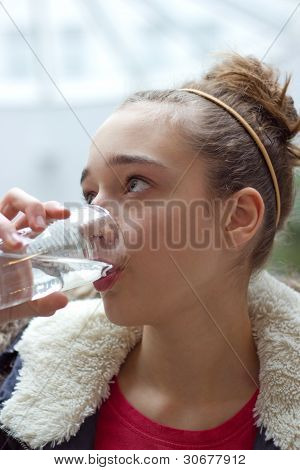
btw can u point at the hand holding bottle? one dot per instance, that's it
(34, 214)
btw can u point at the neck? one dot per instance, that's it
(205, 353)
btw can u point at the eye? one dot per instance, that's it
(132, 182)
(88, 196)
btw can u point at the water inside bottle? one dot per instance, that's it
(30, 277)
(51, 274)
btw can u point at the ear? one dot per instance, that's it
(244, 217)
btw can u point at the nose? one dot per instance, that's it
(111, 205)
(105, 235)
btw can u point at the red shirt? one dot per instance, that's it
(121, 426)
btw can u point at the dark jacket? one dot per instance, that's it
(61, 367)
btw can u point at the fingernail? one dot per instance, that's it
(40, 221)
(15, 238)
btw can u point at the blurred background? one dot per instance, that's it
(66, 64)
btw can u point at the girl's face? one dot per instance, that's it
(162, 267)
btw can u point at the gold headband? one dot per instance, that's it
(252, 134)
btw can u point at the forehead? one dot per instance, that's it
(140, 128)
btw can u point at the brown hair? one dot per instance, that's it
(233, 160)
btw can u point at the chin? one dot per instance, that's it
(117, 315)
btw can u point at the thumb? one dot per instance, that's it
(48, 305)
(45, 306)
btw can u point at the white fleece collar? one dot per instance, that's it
(69, 359)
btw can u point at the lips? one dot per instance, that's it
(107, 282)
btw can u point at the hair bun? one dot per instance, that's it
(259, 83)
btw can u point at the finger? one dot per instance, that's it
(8, 233)
(19, 200)
(46, 306)
(9, 211)
(54, 210)
(21, 222)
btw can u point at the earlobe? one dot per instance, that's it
(245, 217)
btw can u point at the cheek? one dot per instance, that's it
(180, 227)
(161, 269)
(187, 250)
(174, 230)
(150, 289)
(169, 254)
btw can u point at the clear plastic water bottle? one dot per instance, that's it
(67, 254)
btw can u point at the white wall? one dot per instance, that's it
(44, 151)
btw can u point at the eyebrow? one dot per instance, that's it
(119, 159)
